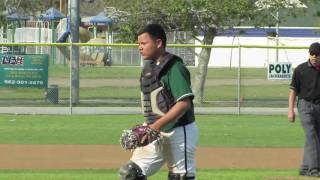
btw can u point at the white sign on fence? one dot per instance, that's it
(280, 71)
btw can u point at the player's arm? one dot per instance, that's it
(174, 113)
(291, 102)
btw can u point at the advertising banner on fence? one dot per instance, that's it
(280, 71)
(30, 70)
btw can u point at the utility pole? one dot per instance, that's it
(74, 55)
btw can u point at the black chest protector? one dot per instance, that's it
(156, 99)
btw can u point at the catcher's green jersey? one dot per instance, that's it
(177, 80)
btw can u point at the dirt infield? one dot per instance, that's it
(112, 156)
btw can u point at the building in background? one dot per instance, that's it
(260, 57)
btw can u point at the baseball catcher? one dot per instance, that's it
(166, 100)
(138, 136)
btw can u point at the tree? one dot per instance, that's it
(204, 17)
(25, 7)
(199, 17)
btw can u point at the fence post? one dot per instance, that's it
(70, 83)
(121, 55)
(239, 80)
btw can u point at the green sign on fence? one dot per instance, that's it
(30, 70)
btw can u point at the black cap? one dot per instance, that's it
(314, 49)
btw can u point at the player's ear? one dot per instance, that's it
(159, 43)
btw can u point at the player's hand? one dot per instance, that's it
(291, 116)
(154, 127)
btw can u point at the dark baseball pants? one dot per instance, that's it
(310, 121)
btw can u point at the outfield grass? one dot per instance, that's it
(134, 72)
(219, 89)
(63, 71)
(220, 93)
(162, 175)
(215, 130)
(223, 92)
(249, 92)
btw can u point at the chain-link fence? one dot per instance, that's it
(117, 84)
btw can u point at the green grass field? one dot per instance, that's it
(219, 174)
(254, 86)
(215, 131)
(227, 92)
(134, 72)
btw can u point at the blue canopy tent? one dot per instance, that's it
(14, 21)
(17, 17)
(52, 14)
(102, 20)
(98, 20)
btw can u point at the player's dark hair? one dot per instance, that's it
(156, 32)
(314, 49)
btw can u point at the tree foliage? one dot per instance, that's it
(34, 7)
(199, 17)
(24, 7)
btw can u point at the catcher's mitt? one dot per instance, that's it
(138, 136)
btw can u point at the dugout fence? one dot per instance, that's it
(108, 86)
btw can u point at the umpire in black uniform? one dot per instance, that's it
(306, 85)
